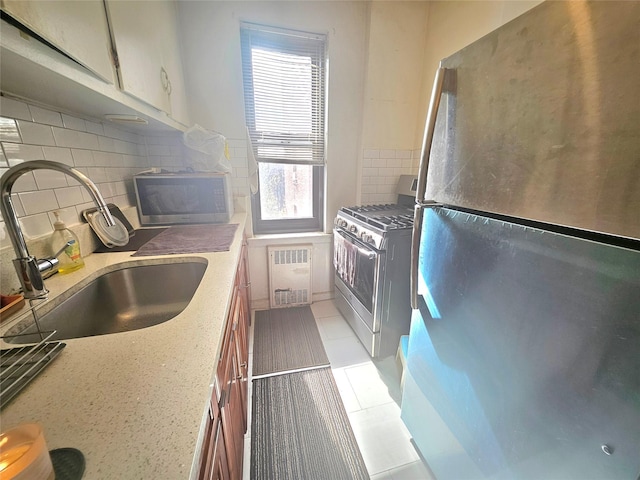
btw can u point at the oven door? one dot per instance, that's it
(357, 265)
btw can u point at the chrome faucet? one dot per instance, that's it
(29, 268)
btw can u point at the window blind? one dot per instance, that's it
(284, 91)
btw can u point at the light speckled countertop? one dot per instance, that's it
(134, 402)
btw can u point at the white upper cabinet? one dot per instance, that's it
(77, 29)
(146, 38)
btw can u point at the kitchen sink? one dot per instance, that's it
(129, 298)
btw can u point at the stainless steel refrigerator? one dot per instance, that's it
(524, 350)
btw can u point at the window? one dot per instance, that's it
(284, 75)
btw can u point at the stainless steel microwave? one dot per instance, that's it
(182, 198)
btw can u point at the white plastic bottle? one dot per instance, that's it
(66, 246)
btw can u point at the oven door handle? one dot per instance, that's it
(356, 243)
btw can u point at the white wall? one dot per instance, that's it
(453, 25)
(397, 42)
(395, 57)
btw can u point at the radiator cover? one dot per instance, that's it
(289, 275)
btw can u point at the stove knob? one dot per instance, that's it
(340, 222)
(353, 229)
(366, 238)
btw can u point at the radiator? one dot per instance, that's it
(289, 275)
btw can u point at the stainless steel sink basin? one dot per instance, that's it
(118, 301)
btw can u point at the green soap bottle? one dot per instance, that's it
(69, 256)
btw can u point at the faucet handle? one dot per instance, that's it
(64, 247)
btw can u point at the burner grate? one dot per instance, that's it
(384, 217)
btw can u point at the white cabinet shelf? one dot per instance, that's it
(150, 67)
(78, 29)
(78, 75)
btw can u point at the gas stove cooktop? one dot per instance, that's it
(385, 217)
(373, 223)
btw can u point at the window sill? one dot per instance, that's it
(290, 238)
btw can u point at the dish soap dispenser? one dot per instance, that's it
(65, 245)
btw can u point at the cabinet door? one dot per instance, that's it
(78, 29)
(241, 359)
(223, 448)
(213, 463)
(231, 404)
(148, 46)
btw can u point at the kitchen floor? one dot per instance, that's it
(371, 396)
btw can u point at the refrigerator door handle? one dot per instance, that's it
(415, 252)
(432, 114)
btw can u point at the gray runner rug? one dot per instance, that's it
(286, 339)
(300, 430)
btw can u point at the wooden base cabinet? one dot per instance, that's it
(223, 446)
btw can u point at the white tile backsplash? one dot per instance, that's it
(26, 183)
(75, 139)
(381, 170)
(94, 127)
(38, 201)
(159, 150)
(36, 133)
(46, 179)
(73, 123)
(58, 154)
(18, 153)
(14, 109)
(106, 144)
(9, 130)
(68, 196)
(42, 115)
(82, 158)
(36, 225)
(17, 205)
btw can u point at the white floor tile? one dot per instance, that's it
(382, 476)
(367, 385)
(383, 439)
(249, 405)
(412, 471)
(390, 372)
(331, 328)
(325, 308)
(251, 335)
(345, 352)
(349, 398)
(246, 459)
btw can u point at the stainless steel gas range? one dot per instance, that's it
(372, 258)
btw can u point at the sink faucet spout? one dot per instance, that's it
(28, 268)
